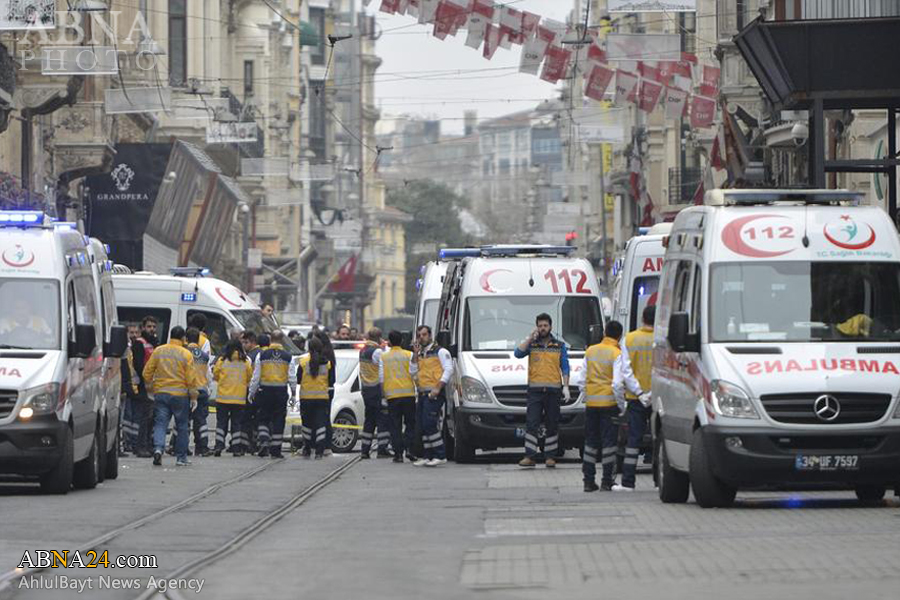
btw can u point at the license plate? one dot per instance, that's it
(520, 432)
(826, 462)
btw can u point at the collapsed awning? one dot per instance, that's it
(193, 212)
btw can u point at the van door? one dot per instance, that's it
(685, 388)
(112, 367)
(83, 374)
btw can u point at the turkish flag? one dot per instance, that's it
(556, 63)
(703, 111)
(598, 81)
(345, 279)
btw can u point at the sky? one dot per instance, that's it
(422, 75)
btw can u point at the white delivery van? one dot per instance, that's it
(54, 416)
(173, 299)
(637, 275)
(777, 347)
(488, 306)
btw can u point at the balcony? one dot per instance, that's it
(83, 140)
(244, 114)
(683, 184)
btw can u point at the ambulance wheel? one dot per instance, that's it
(463, 451)
(112, 460)
(709, 491)
(87, 472)
(101, 449)
(674, 486)
(345, 433)
(58, 480)
(870, 494)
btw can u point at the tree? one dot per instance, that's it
(435, 211)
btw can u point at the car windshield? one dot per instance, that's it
(30, 317)
(803, 302)
(252, 320)
(502, 323)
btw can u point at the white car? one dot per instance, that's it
(347, 409)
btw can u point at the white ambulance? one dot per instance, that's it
(173, 299)
(637, 275)
(488, 306)
(777, 349)
(54, 416)
(431, 283)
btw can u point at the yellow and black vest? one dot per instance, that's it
(601, 359)
(274, 363)
(313, 386)
(398, 383)
(201, 365)
(233, 376)
(430, 369)
(639, 344)
(368, 370)
(544, 370)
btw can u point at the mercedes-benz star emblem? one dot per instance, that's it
(827, 408)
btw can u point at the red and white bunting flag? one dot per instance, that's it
(530, 23)
(511, 28)
(676, 101)
(389, 6)
(682, 83)
(482, 14)
(648, 70)
(711, 76)
(716, 159)
(413, 8)
(402, 7)
(491, 41)
(596, 54)
(447, 16)
(689, 57)
(650, 93)
(626, 84)
(703, 111)
(427, 10)
(533, 55)
(598, 81)
(551, 31)
(709, 91)
(556, 64)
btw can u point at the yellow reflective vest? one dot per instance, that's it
(601, 360)
(201, 364)
(313, 386)
(398, 382)
(233, 376)
(544, 364)
(639, 344)
(170, 370)
(430, 369)
(274, 365)
(368, 369)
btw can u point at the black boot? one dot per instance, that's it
(591, 486)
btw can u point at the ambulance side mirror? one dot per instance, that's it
(117, 344)
(596, 334)
(85, 341)
(680, 337)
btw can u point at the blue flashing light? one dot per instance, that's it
(422, 270)
(643, 230)
(65, 226)
(22, 218)
(81, 260)
(451, 253)
(107, 249)
(418, 284)
(189, 297)
(204, 272)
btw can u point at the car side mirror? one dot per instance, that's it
(118, 342)
(596, 334)
(85, 341)
(680, 337)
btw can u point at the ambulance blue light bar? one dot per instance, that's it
(22, 218)
(452, 253)
(190, 272)
(189, 297)
(514, 250)
(65, 226)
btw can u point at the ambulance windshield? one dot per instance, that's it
(805, 302)
(502, 323)
(29, 318)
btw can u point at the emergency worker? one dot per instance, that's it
(130, 390)
(637, 349)
(395, 375)
(142, 408)
(548, 384)
(233, 372)
(200, 413)
(433, 367)
(602, 376)
(269, 391)
(315, 374)
(369, 367)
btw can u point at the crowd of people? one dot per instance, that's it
(403, 393)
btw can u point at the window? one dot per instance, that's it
(30, 317)
(503, 142)
(643, 294)
(178, 43)
(681, 301)
(108, 307)
(248, 79)
(522, 140)
(504, 166)
(317, 19)
(217, 329)
(131, 314)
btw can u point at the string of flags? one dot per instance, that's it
(677, 83)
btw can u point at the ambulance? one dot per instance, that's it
(431, 283)
(174, 298)
(55, 418)
(637, 275)
(777, 347)
(489, 302)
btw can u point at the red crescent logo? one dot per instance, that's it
(225, 298)
(486, 284)
(731, 237)
(859, 246)
(24, 258)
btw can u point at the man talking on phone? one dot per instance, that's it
(548, 384)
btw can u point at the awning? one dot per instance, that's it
(193, 213)
(309, 35)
